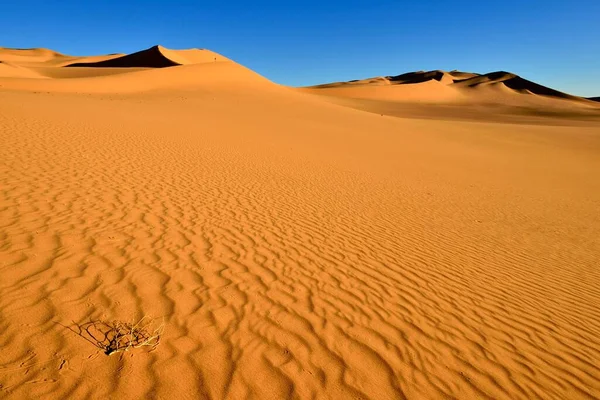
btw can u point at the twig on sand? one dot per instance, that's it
(117, 336)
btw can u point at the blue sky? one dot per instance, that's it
(553, 42)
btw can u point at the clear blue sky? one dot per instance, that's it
(553, 42)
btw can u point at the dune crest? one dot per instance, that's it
(156, 57)
(28, 55)
(10, 70)
(498, 96)
(123, 73)
(387, 89)
(515, 82)
(458, 79)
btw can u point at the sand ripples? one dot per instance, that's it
(276, 279)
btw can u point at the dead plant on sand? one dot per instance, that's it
(117, 336)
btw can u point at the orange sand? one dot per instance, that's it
(296, 242)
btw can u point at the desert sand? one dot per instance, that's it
(455, 95)
(426, 236)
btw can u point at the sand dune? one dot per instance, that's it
(427, 91)
(516, 83)
(156, 57)
(45, 58)
(462, 75)
(292, 247)
(136, 72)
(458, 79)
(114, 80)
(497, 96)
(28, 55)
(10, 70)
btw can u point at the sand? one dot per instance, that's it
(292, 246)
(498, 96)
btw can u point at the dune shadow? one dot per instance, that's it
(149, 58)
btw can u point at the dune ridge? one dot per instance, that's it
(293, 247)
(499, 96)
(146, 70)
(10, 70)
(515, 82)
(155, 57)
(114, 80)
(28, 55)
(460, 80)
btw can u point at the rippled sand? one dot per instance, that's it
(294, 248)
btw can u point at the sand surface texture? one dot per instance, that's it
(294, 243)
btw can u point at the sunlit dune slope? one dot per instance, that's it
(112, 81)
(10, 70)
(45, 58)
(141, 71)
(28, 55)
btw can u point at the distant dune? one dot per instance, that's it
(516, 83)
(387, 238)
(458, 79)
(27, 55)
(498, 96)
(594, 98)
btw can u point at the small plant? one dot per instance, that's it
(117, 336)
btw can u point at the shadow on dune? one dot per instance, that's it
(460, 79)
(417, 77)
(514, 82)
(149, 58)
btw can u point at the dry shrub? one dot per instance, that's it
(117, 336)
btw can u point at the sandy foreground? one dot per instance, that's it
(293, 243)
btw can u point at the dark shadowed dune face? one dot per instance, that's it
(417, 77)
(492, 77)
(458, 75)
(517, 83)
(149, 58)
